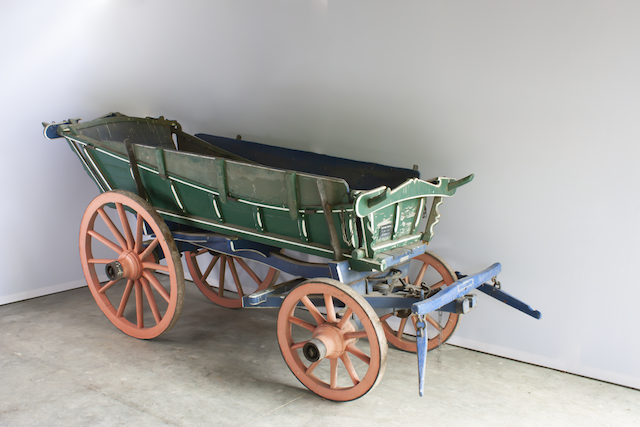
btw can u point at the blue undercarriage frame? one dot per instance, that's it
(448, 299)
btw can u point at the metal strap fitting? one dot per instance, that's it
(420, 325)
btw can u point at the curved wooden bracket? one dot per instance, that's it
(381, 197)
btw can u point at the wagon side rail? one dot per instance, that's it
(190, 185)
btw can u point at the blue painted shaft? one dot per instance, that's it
(421, 340)
(456, 290)
(504, 297)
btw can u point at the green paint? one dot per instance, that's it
(238, 198)
(380, 198)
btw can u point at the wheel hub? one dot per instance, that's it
(131, 265)
(114, 270)
(328, 342)
(314, 350)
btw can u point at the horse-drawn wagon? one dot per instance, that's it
(335, 244)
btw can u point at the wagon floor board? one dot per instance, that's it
(63, 364)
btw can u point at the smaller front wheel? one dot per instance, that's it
(400, 327)
(323, 345)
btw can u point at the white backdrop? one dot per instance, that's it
(539, 99)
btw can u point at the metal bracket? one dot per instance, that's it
(333, 234)
(134, 169)
(162, 169)
(291, 185)
(221, 175)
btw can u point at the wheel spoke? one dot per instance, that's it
(139, 310)
(234, 273)
(385, 317)
(308, 326)
(312, 367)
(403, 323)
(125, 298)
(350, 369)
(153, 266)
(331, 310)
(99, 261)
(345, 318)
(319, 318)
(104, 288)
(437, 285)
(138, 242)
(433, 322)
(114, 230)
(151, 300)
(212, 264)
(149, 248)
(420, 275)
(354, 335)
(156, 284)
(351, 348)
(334, 373)
(298, 345)
(249, 271)
(108, 243)
(223, 271)
(125, 225)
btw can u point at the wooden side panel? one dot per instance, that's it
(256, 202)
(116, 172)
(257, 197)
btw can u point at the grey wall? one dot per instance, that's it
(539, 99)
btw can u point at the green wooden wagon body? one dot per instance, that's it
(198, 184)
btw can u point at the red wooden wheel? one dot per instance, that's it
(226, 279)
(399, 327)
(116, 239)
(327, 352)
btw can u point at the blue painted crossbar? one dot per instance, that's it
(456, 290)
(452, 292)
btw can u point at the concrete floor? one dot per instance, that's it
(63, 364)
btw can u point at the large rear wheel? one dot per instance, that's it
(225, 279)
(112, 240)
